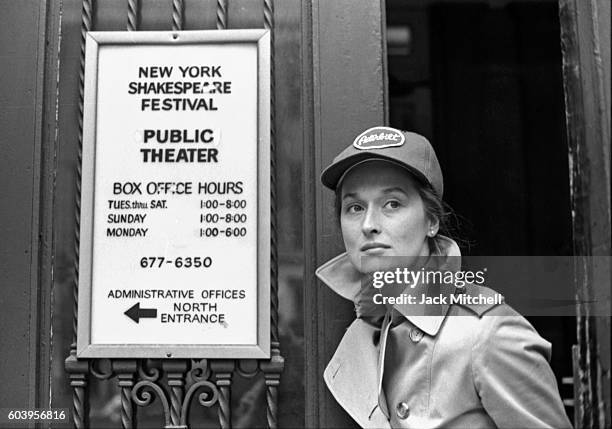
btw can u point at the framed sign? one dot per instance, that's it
(175, 201)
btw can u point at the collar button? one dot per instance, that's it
(402, 410)
(416, 335)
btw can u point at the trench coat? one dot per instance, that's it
(457, 366)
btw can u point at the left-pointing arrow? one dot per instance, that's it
(136, 313)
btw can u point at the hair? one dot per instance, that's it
(435, 208)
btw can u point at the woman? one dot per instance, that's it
(422, 365)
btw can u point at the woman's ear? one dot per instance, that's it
(433, 227)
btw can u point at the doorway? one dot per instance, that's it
(483, 81)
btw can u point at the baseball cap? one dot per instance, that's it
(409, 150)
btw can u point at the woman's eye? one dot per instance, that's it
(392, 204)
(354, 208)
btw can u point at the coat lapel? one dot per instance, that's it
(352, 374)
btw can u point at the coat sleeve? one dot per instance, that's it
(512, 375)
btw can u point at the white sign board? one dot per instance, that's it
(175, 200)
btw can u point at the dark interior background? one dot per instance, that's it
(483, 81)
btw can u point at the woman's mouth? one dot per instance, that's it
(374, 248)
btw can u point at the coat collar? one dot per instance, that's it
(342, 277)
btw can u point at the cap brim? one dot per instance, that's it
(332, 174)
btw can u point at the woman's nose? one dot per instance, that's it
(371, 222)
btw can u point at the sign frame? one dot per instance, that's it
(261, 350)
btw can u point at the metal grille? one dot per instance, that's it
(174, 384)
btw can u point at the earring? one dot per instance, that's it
(431, 233)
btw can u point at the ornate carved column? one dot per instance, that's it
(175, 372)
(77, 372)
(126, 371)
(272, 370)
(223, 370)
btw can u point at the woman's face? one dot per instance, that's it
(383, 216)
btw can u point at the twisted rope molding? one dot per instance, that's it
(78, 402)
(176, 399)
(126, 370)
(272, 405)
(221, 14)
(127, 411)
(223, 370)
(225, 412)
(132, 22)
(175, 373)
(177, 15)
(272, 368)
(86, 25)
(269, 25)
(76, 369)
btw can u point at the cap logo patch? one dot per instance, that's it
(379, 138)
